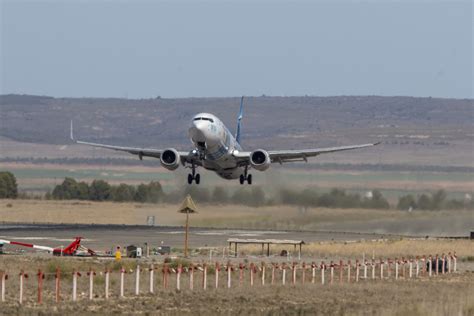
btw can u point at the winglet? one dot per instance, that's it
(72, 133)
(239, 119)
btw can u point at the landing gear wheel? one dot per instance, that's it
(249, 179)
(197, 178)
(242, 179)
(190, 178)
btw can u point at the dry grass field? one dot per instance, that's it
(396, 248)
(420, 223)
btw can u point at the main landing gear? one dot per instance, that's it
(245, 177)
(194, 176)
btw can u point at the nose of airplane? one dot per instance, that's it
(198, 131)
(203, 131)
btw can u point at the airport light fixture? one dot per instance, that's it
(188, 207)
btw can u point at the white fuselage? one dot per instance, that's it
(213, 140)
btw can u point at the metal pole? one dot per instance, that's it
(186, 235)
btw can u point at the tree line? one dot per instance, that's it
(152, 192)
(436, 201)
(100, 190)
(8, 185)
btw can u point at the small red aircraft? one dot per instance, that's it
(72, 250)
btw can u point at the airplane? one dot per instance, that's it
(216, 149)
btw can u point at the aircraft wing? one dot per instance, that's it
(281, 156)
(140, 152)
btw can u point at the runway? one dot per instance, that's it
(104, 237)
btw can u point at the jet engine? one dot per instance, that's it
(170, 159)
(260, 160)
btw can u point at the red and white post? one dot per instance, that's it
(91, 275)
(191, 277)
(152, 278)
(107, 282)
(40, 286)
(3, 279)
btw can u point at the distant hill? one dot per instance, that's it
(404, 124)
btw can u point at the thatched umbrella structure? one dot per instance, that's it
(188, 207)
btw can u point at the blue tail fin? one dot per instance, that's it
(239, 119)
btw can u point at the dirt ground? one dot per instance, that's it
(441, 295)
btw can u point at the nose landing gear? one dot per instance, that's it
(193, 176)
(245, 177)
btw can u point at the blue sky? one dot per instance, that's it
(142, 49)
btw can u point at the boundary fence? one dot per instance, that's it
(127, 282)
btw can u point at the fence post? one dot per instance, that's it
(423, 266)
(191, 276)
(3, 278)
(283, 277)
(229, 274)
(430, 265)
(178, 277)
(293, 273)
(217, 274)
(323, 269)
(152, 276)
(107, 281)
(165, 270)
(313, 272)
(410, 268)
(455, 259)
(263, 273)
(389, 268)
(365, 269)
(443, 263)
(137, 280)
(396, 268)
(303, 273)
(341, 268)
(331, 279)
(204, 276)
(357, 270)
(122, 278)
(91, 274)
(22, 276)
(349, 266)
(449, 262)
(381, 268)
(417, 267)
(74, 285)
(58, 283)
(373, 269)
(437, 264)
(241, 273)
(403, 267)
(251, 273)
(40, 286)
(273, 273)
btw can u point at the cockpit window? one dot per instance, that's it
(204, 119)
